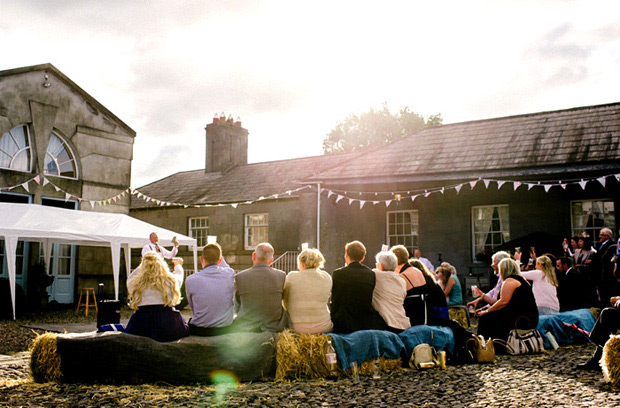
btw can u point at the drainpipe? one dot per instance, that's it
(318, 216)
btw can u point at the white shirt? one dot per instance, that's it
(388, 297)
(179, 274)
(427, 263)
(160, 250)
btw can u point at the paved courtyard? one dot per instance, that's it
(545, 380)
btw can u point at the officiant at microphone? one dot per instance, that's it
(158, 249)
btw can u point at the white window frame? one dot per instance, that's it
(473, 227)
(248, 227)
(416, 234)
(202, 240)
(578, 231)
(71, 153)
(27, 148)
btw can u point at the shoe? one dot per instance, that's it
(593, 362)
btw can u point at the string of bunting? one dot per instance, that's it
(42, 180)
(413, 194)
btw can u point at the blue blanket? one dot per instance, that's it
(364, 345)
(441, 338)
(554, 324)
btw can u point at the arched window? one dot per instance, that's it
(59, 160)
(15, 149)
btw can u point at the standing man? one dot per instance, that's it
(259, 295)
(571, 293)
(210, 294)
(160, 250)
(352, 291)
(417, 254)
(603, 267)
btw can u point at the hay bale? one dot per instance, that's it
(610, 361)
(302, 356)
(44, 359)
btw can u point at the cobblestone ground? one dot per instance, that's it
(546, 380)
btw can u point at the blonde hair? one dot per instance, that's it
(153, 273)
(311, 258)
(419, 265)
(548, 269)
(508, 267)
(445, 271)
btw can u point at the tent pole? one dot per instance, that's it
(11, 248)
(116, 265)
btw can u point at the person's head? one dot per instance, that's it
(564, 263)
(354, 252)
(402, 254)
(310, 259)
(386, 261)
(153, 238)
(211, 254)
(544, 264)
(444, 271)
(573, 242)
(551, 257)
(497, 258)
(508, 267)
(263, 253)
(416, 263)
(605, 234)
(417, 253)
(177, 260)
(585, 243)
(153, 273)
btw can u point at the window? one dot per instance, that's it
(490, 228)
(59, 160)
(256, 229)
(199, 229)
(15, 149)
(402, 229)
(590, 216)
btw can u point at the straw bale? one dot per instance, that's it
(44, 358)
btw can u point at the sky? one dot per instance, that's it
(291, 70)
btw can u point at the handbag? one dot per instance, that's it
(481, 351)
(423, 356)
(523, 341)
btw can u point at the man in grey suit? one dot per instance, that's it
(259, 295)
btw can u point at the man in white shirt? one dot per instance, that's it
(160, 250)
(418, 255)
(178, 272)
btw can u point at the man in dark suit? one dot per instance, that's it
(352, 289)
(571, 293)
(259, 295)
(603, 267)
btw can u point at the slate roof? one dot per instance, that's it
(537, 143)
(241, 183)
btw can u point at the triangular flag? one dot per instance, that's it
(80, 199)
(330, 193)
(458, 188)
(563, 186)
(413, 197)
(547, 187)
(362, 202)
(442, 190)
(486, 183)
(132, 191)
(67, 196)
(582, 183)
(25, 186)
(275, 195)
(185, 206)
(516, 185)
(427, 194)
(617, 176)
(388, 202)
(45, 181)
(114, 198)
(260, 198)
(288, 192)
(601, 180)
(351, 201)
(339, 198)
(148, 199)
(375, 202)
(500, 183)
(234, 205)
(138, 195)
(10, 188)
(473, 183)
(37, 179)
(529, 186)
(92, 204)
(56, 187)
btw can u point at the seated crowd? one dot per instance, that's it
(398, 294)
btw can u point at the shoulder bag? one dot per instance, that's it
(481, 351)
(523, 341)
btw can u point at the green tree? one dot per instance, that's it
(375, 128)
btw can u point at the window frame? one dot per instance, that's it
(71, 153)
(27, 148)
(473, 227)
(247, 228)
(593, 237)
(190, 230)
(387, 229)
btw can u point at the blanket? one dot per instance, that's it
(440, 337)
(364, 345)
(554, 324)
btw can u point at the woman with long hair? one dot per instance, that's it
(544, 286)
(449, 282)
(153, 293)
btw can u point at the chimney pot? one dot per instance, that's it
(216, 118)
(222, 117)
(238, 121)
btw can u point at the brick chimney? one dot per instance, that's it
(227, 144)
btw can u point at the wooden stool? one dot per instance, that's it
(86, 291)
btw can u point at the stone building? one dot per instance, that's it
(457, 191)
(60, 147)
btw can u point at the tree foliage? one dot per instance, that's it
(375, 128)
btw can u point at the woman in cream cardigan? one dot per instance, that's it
(306, 294)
